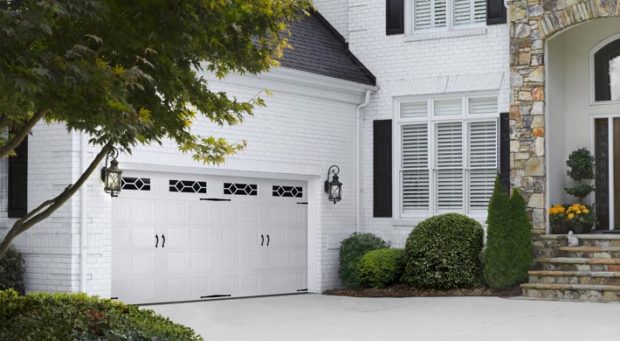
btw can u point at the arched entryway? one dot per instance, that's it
(552, 106)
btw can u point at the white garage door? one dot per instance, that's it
(181, 237)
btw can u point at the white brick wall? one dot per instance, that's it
(405, 67)
(48, 247)
(336, 12)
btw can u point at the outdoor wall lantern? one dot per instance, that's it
(111, 176)
(334, 187)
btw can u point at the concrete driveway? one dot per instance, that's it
(327, 318)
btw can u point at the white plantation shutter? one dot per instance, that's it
(482, 143)
(415, 171)
(429, 14)
(449, 165)
(414, 109)
(449, 107)
(483, 105)
(469, 11)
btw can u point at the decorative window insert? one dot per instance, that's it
(136, 184)
(240, 189)
(446, 15)
(287, 191)
(187, 186)
(448, 154)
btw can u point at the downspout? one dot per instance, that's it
(358, 117)
(83, 203)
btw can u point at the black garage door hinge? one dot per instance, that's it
(214, 199)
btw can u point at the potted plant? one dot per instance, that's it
(578, 217)
(557, 219)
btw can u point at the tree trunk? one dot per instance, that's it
(48, 207)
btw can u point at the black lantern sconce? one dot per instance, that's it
(111, 176)
(333, 187)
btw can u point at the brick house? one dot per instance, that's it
(403, 96)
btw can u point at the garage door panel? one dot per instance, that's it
(198, 237)
(199, 262)
(212, 247)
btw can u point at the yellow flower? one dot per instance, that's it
(571, 216)
(586, 211)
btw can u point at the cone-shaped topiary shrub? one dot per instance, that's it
(380, 268)
(508, 254)
(443, 252)
(352, 250)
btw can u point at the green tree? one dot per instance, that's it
(128, 72)
(508, 254)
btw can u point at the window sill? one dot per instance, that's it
(446, 34)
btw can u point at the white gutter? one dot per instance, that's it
(83, 208)
(358, 117)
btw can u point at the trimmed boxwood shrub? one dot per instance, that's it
(443, 252)
(380, 268)
(508, 255)
(12, 270)
(352, 250)
(81, 317)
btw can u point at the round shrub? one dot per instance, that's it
(443, 252)
(81, 317)
(352, 250)
(12, 271)
(380, 268)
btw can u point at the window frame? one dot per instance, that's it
(450, 27)
(431, 121)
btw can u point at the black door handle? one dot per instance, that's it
(268, 239)
(262, 240)
(156, 240)
(163, 242)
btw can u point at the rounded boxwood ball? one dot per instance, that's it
(380, 268)
(443, 252)
(352, 249)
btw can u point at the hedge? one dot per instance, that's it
(380, 268)
(44, 316)
(443, 252)
(352, 250)
(12, 271)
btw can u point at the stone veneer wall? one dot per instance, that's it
(531, 23)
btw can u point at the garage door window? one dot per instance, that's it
(188, 186)
(240, 189)
(288, 192)
(136, 184)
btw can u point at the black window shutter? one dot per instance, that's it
(382, 168)
(504, 150)
(496, 12)
(395, 17)
(18, 182)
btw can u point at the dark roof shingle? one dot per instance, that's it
(318, 48)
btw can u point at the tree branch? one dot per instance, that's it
(50, 206)
(22, 133)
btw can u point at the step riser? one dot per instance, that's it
(572, 294)
(603, 254)
(575, 280)
(577, 267)
(598, 242)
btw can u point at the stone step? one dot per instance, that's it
(581, 292)
(584, 240)
(575, 277)
(577, 264)
(590, 251)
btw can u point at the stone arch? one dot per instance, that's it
(532, 23)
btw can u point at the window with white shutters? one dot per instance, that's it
(482, 141)
(449, 165)
(415, 171)
(449, 154)
(446, 14)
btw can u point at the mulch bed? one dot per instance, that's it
(405, 291)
